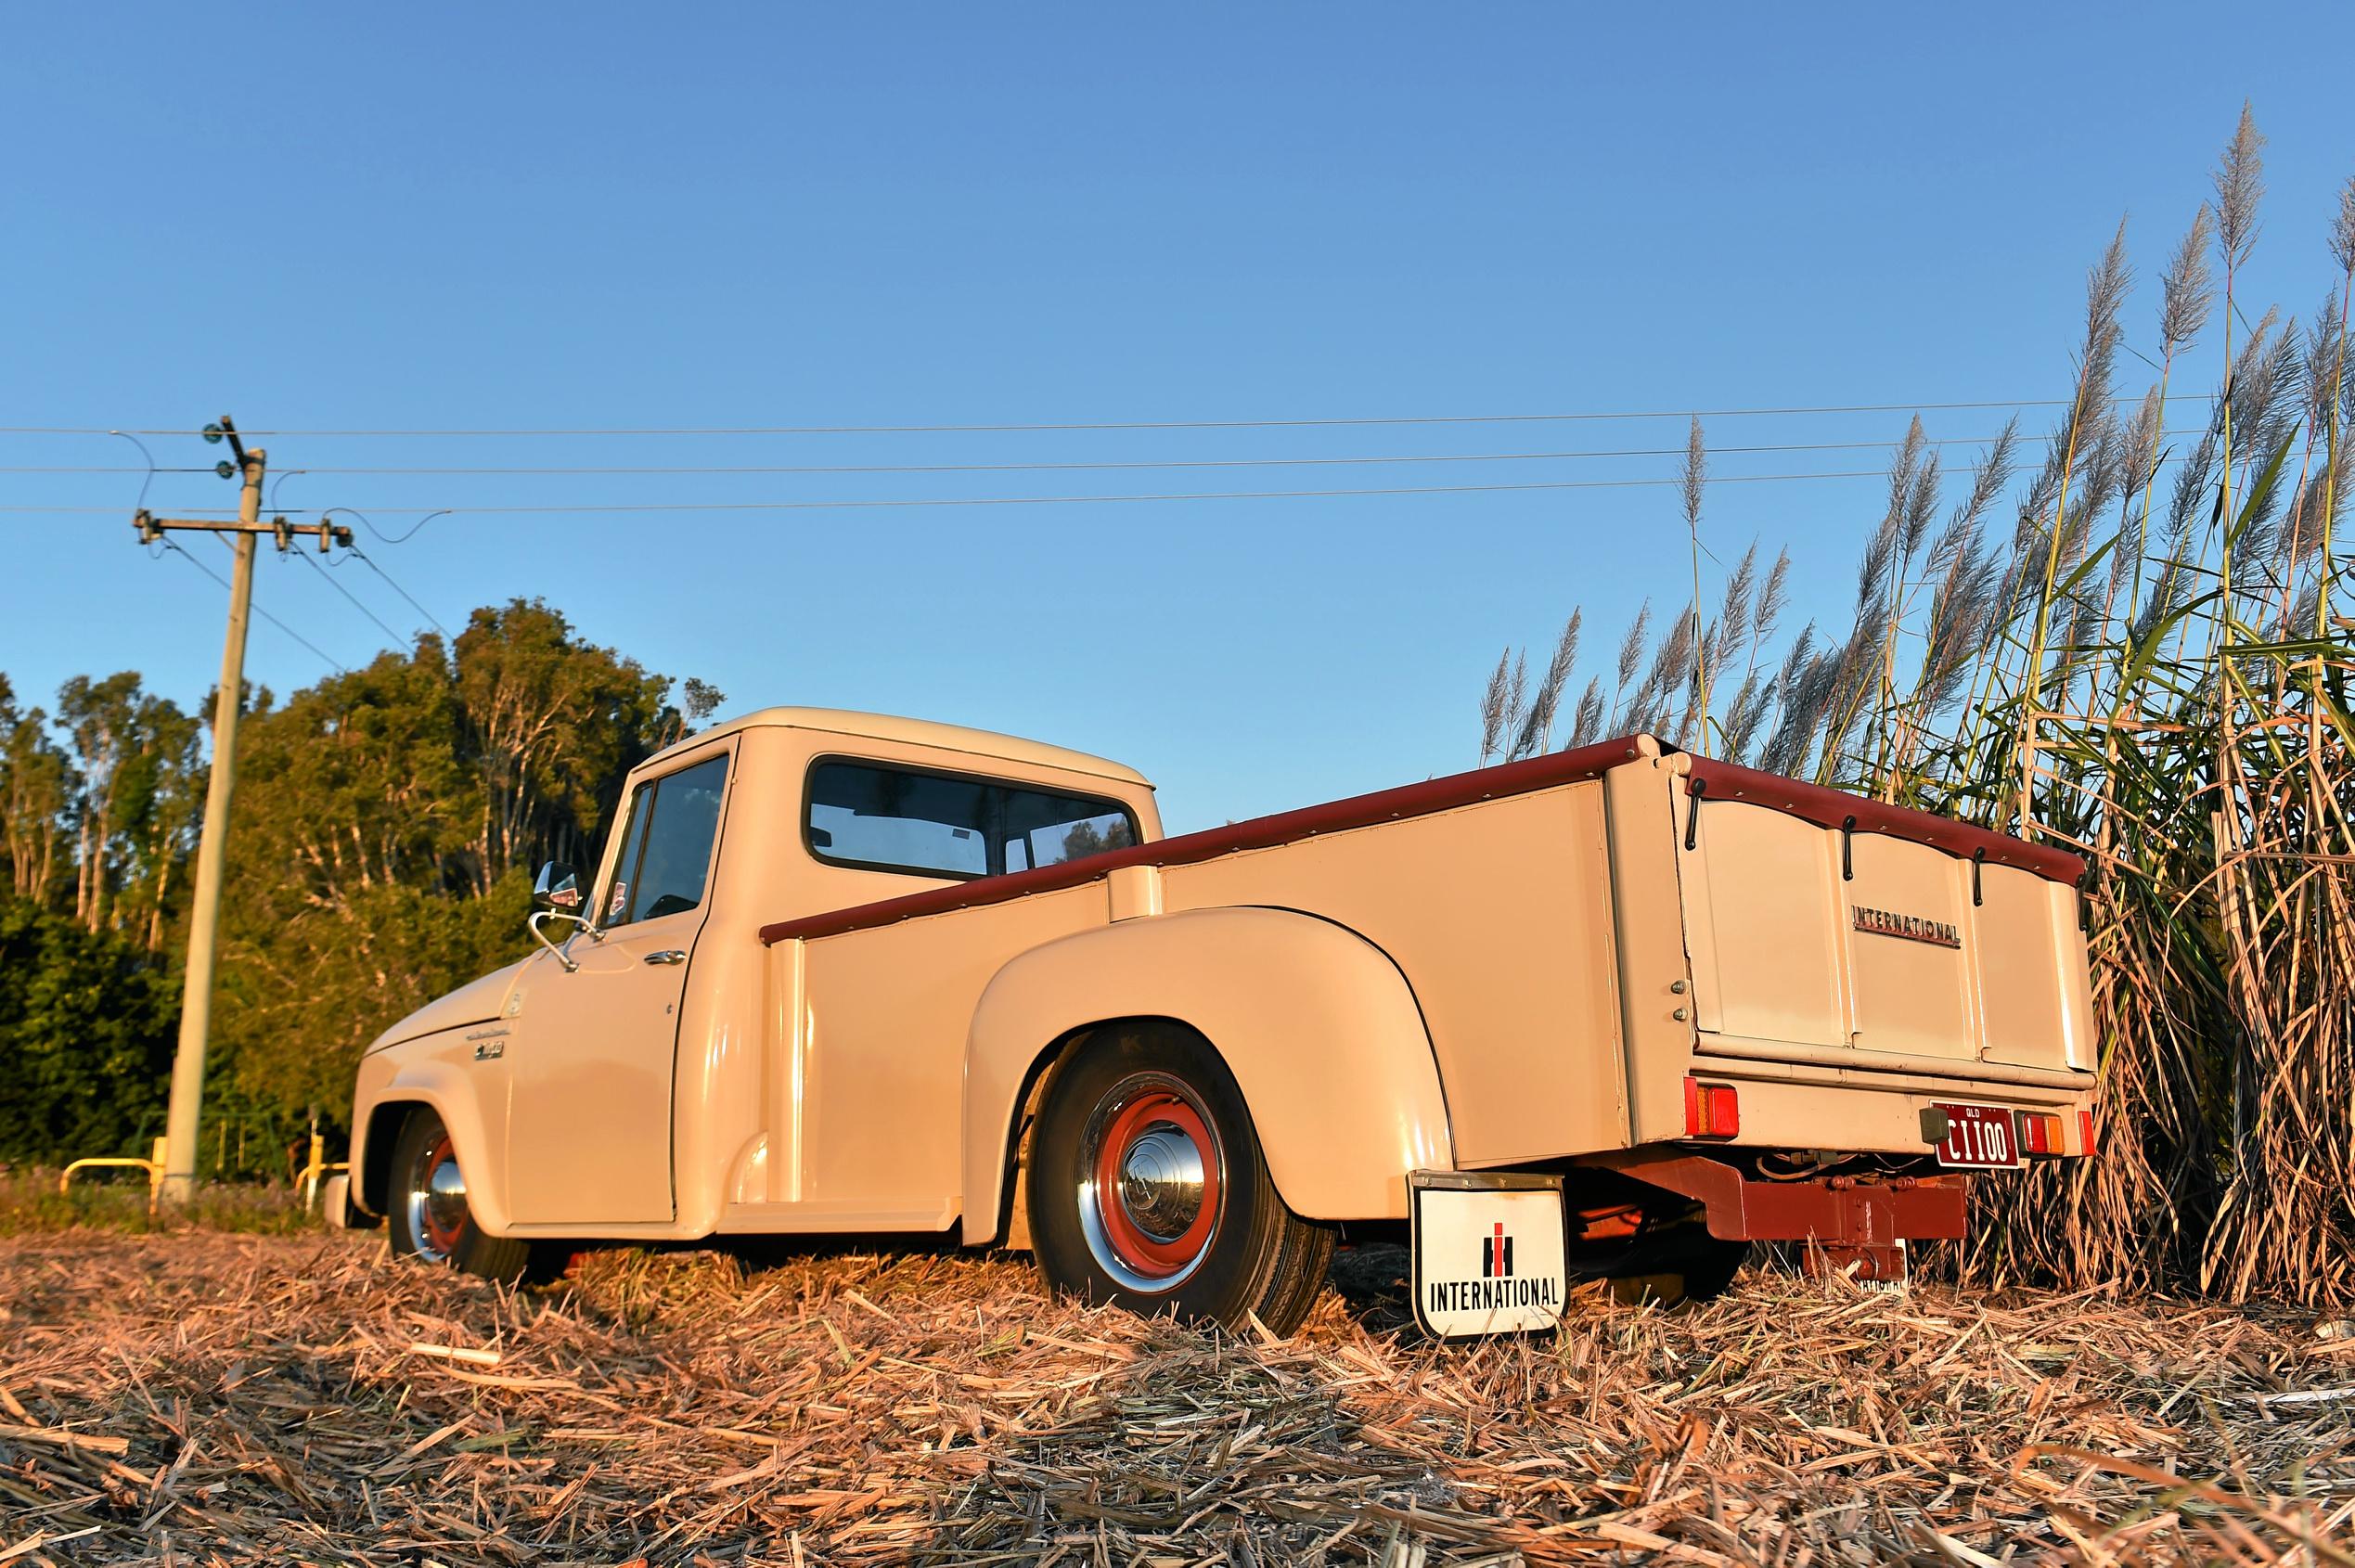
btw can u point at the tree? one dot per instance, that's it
(87, 1023)
(551, 725)
(33, 789)
(387, 819)
(161, 801)
(138, 789)
(97, 717)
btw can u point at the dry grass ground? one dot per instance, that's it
(200, 1398)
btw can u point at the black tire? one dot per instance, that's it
(1139, 1098)
(439, 1226)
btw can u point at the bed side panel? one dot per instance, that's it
(1499, 916)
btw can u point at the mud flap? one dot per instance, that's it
(1491, 1253)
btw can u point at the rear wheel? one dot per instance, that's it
(429, 1216)
(1147, 1187)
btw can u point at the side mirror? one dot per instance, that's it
(557, 889)
(556, 896)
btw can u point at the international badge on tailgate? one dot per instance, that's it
(1488, 1253)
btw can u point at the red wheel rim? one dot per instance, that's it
(1145, 1253)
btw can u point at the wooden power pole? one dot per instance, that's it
(204, 913)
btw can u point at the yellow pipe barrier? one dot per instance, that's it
(315, 1168)
(308, 1178)
(153, 1165)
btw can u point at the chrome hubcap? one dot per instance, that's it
(435, 1202)
(445, 1196)
(1160, 1181)
(1151, 1183)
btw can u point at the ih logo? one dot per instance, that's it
(1496, 1255)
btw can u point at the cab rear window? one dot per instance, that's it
(877, 817)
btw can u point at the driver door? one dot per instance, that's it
(594, 1059)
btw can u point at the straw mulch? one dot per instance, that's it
(200, 1398)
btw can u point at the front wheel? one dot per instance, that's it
(430, 1218)
(1147, 1187)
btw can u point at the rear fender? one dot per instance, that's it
(408, 1075)
(1319, 1027)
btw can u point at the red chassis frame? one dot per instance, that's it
(1851, 1220)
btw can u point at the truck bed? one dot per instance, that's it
(1548, 927)
(1719, 780)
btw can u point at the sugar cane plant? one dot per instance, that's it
(2149, 666)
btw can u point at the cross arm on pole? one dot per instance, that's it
(152, 528)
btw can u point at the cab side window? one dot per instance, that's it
(666, 854)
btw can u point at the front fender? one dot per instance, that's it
(1316, 1024)
(428, 1071)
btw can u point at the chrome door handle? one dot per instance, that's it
(671, 955)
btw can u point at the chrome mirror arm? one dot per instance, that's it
(570, 964)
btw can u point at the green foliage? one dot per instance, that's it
(87, 1020)
(386, 824)
(33, 792)
(302, 1000)
(30, 1203)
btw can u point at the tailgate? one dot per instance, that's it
(1822, 926)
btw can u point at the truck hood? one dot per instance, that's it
(482, 1002)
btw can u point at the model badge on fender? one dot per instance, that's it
(1913, 928)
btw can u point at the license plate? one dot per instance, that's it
(1488, 1253)
(1978, 1137)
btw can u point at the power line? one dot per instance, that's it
(1121, 499)
(1112, 499)
(398, 589)
(1142, 463)
(174, 546)
(347, 592)
(1379, 460)
(117, 511)
(1360, 422)
(1048, 500)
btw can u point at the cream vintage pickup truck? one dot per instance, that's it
(1617, 1011)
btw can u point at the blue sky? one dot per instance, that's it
(600, 216)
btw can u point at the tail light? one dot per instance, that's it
(2085, 1127)
(1711, 1109)
(2040, 1133)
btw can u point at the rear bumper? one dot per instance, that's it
(1874, 1108)
(1839, 1212)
